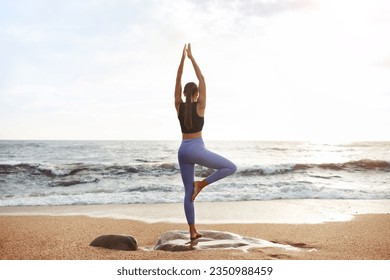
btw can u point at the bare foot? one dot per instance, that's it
(195, 236)
(198, 186)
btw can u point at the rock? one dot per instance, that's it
(174, 241)
(179, 241)
(116, 242)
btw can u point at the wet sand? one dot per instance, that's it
(63, 234)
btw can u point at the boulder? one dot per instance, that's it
(177, 240)
(116, 242)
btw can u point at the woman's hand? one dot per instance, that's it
(184, 51)
(189, 53)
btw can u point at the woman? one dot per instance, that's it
(192, 150)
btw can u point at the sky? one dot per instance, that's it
(313, 70)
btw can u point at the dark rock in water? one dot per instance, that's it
(116, 242)
(180, 241)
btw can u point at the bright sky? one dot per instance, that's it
(314, 70)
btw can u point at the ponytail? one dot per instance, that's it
(190, 89)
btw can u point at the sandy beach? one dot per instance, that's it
(64, 233)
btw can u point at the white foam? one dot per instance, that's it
(276, 211)
(177, 240)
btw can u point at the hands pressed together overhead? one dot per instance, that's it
(187, 50)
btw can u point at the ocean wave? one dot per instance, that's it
(358, 166)
(77, 170)
(218, 193)
(100, 172)
(64, 170)
(69, 183)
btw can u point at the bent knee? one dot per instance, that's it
(232, 168)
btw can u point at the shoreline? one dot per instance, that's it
(299, 211)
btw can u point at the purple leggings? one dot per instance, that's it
(193, 152)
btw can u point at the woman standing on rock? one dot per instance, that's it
(192, 150)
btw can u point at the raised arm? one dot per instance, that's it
(178, 87)
(202, 83)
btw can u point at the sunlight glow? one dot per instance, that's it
(275, 70)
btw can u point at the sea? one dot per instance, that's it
(147, 172)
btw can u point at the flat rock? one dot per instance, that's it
(180, 241)
(116, 242)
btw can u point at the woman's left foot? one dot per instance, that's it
(198, 186)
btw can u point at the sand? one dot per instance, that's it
(58, 236)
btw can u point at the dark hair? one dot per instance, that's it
(190, 89)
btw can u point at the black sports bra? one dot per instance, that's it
(197, 121)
